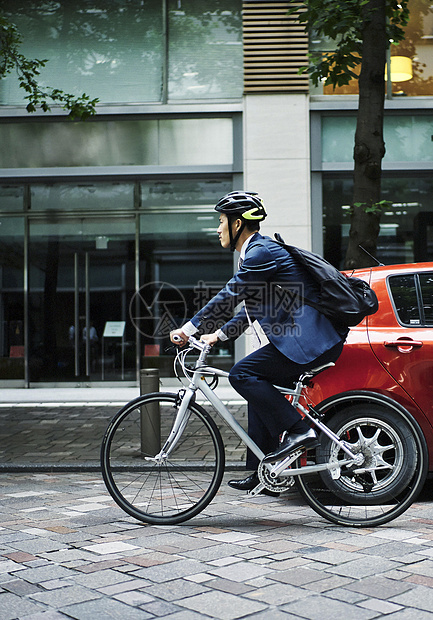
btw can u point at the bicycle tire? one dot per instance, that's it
(394, 472)
(169, 492)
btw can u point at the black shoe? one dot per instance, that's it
(250, 483)
(289, 443)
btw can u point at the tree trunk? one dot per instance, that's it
(369, 147)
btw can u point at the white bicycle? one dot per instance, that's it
(163, 457)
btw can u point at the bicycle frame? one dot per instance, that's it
(280, 469)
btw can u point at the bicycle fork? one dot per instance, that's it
(179, 424)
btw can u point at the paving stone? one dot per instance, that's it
(180, 568)
(321, 608)
(231, 587)
(419, 597)
(13, 606)
(379, 587)
(123, 586)
(105, 608)
(135, 598)
(176, 590)
(364, 567)
(160, 609)
(241, 571)
(277, 594)
(229, 606)
(410, 614)
(424, 567)
(46, 615)
(20, 587)
(45, 573)
(101, 579)
(65, 596)
(298, 576)
(382, 607)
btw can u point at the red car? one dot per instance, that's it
(387, 360)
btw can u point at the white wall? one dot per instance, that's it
(277, 166)
(277, 162)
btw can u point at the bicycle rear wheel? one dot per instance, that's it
(393, 473)
(165, 491)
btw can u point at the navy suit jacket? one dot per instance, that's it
(268, 281)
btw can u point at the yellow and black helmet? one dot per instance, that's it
(246, 205)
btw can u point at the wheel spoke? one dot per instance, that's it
(168, 490)
(393, 471)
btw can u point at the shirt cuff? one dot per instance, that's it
(189, 329)
(221, 335)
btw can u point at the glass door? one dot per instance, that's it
(81, 280)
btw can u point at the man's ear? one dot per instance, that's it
(238, 224)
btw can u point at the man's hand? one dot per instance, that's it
(175, 335)
(210, 339)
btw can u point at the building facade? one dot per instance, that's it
(107, 228)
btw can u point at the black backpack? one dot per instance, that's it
(344, 300)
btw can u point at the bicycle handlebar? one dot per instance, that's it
(197, 344)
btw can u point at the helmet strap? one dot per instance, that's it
(235, 239)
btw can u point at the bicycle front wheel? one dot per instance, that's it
(169, 490)
(393, 472)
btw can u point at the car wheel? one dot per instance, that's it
(388, 446)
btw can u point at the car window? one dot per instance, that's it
(426, 282)
(404, 295)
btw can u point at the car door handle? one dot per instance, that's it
(407, 344)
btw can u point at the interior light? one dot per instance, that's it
(401, 69)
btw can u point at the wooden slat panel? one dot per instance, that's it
(275, 47)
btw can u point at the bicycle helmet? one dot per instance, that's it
(247, 206)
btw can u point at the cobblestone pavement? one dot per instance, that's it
(67, 551)
(69, 437)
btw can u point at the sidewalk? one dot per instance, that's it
(61, 429)
(67, 551)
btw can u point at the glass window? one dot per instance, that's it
(411, 60)
(117, 52)
(406, 227)
(165, 142)
(84, 196)
(183, 192)
(111, 50)
(11, 198)
(205, 49)
(407, 138)
(11, 298)
(426, 283)
(404, 296)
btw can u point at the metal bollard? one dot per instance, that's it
(150, 416)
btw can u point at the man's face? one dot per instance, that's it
(223, 231)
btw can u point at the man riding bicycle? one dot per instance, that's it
(270, 283)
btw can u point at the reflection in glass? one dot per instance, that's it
(117, 51)
(416, 50)
(205, 49)
(403, 225)
(74, 280)
(407, 138)
(111, 50)
(11, 298)
(85, 196)
(405, 298)
(11, 198)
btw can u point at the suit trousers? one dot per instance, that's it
(269, 412)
